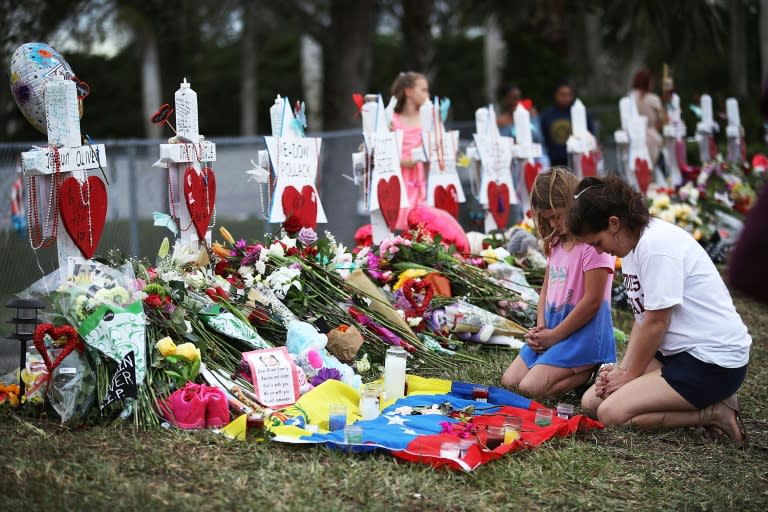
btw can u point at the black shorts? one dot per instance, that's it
(700, 384)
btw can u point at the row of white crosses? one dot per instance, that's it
(82, 200)
(191, 180)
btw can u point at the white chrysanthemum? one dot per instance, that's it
(276, 250)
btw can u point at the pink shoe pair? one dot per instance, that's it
(196, 406)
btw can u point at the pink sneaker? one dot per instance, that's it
(216, 406)
(185, 408)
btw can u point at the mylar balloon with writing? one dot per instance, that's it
(32, 66)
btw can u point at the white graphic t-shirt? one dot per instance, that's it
(668, 268)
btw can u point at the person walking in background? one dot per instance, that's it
(410, 91)
(556, 125)
(649, 105)
(574, 329)
(509, 97)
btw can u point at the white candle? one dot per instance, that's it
(706, 111)
(625, 111)
(732, 110)
(578, 119)
(523, 125)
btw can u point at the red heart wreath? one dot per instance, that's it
(418, 289)
(65, 331)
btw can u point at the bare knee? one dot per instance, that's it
(590, 401)
(533, 389)
(611, 414)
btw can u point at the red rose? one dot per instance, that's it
(153, 300)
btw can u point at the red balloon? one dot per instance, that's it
(437, 221)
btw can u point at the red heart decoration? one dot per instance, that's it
(446, 198)
(588, 165)
(643, 174)
(200, 195)
(498, 203)
(56, 333)
(530, 171)
(418, 289)
(300, 207)
(83, 209)
(388, 192)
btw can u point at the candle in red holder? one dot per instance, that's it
(480, 393)
(255, 427)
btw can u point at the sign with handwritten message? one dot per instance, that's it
(275, 376)
(123, 384)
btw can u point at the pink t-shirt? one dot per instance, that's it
(566, 273)
(415, 180)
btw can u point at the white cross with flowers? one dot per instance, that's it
(82, 205)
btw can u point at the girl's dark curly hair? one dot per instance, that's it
(597, 199)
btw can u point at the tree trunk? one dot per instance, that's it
(737, 61)
(347, 51)
(312, 80)
(494, 50)
(764, 40)
(248, 71)
(417, 36)
(151, 97)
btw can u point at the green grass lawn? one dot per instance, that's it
(43, 467)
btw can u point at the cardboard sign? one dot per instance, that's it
(123, 383)
(275, 376)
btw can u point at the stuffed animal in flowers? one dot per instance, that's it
(308, 348)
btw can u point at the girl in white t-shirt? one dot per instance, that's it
(574, 330)
(688, 351)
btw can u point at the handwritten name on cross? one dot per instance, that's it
(384, 192)
(191, 180)
(494, 152)
(444, 188)
(82, 200)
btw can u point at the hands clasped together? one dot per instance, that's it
(540, 339)
(610, 378)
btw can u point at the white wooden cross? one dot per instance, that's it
(524, 151)
(292, 162)
(494, 154)
(705, 130)
(734, 131)
(384, 192)
(79, 201)
(191, 180)
(621, 137)
(674, 139)
(444, 188)
(581, 145)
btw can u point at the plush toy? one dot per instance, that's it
(308, 347)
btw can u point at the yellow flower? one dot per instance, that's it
(226, 235)
(697, 235)
(661, 202)
(188, 351)
(166, 346)
(411, 273)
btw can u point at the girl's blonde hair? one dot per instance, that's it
(402, 82)
(552, 189)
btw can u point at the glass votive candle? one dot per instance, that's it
(543, 416)
(254, 427)
(353, 434)
(337, 417)
(564, 411)
(512, 428)
(369, 401)
(450, 450)
(494, 437)
(464, 446)
(480, 393)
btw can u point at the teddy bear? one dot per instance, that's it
(308, 348)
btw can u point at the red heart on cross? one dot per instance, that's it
(83, 210)
(588, 165)
(56, 333)
(498, 203)
(388, 193)
(200, 195)
(643, 174)
(530, 171)
(446, 198)
(300, 207)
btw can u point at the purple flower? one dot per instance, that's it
(295, 266)
(325, 374)
(240, 244)
(252, 255)
(307, 236)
